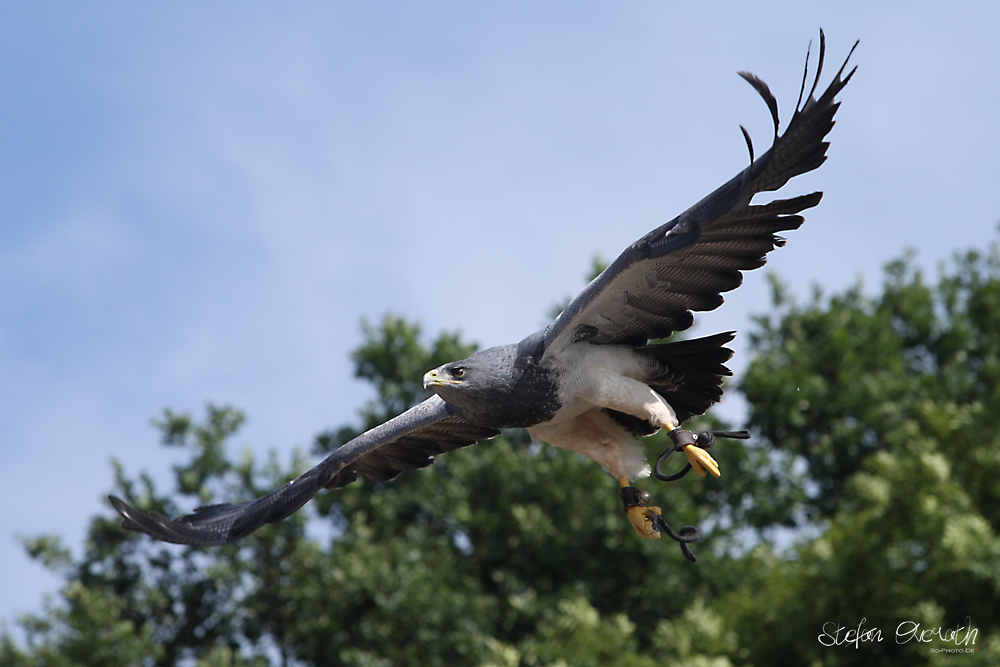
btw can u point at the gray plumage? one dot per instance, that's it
(592, 378)
(504, 387)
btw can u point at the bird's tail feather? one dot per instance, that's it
(690, 378)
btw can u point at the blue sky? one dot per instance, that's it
(200, 201)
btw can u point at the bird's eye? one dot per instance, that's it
(457, 372)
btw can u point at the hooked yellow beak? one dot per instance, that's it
(435, 378)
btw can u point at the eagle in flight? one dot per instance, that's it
(600, 373)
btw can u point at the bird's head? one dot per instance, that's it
(485, 371)
(499, 387)
(477, 385)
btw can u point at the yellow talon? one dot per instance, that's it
(642, 521)
(641, 516)
(701, 460)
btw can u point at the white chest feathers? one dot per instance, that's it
(594, 377)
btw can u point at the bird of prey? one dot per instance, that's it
(600, 373)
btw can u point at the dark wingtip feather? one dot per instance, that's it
(746, 137)
(801, 147)
(819, 65)
(765, 92)
(844, 66)
(160, 527)
(805, 76)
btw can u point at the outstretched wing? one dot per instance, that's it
(649, 291)
(406, 442)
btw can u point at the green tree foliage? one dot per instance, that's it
(883, 415)
(869, 492)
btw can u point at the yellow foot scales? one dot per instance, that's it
(701, 460)
(642, 518)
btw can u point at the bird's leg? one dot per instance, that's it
(639, 515)
(635, 398)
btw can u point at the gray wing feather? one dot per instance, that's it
(685, 265)
(406, 442)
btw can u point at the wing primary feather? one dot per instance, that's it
(765, 92)
(746, 137)
(819, 64)
(805, 75)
